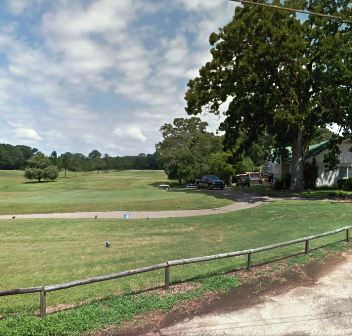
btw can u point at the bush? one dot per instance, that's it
(345, 184)
(283, 182)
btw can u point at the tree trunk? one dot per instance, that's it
(298, 151)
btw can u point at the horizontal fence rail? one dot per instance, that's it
(166, 266)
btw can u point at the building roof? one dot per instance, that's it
(316, 149)
(312, 151)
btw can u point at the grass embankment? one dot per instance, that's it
(40, 252)
(129, 190)
(321, 192)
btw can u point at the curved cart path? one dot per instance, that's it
(243, 201)
(139, 214)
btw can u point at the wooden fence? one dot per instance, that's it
(42, 290)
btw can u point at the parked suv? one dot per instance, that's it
(210, 182)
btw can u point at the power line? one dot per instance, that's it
(328, 16)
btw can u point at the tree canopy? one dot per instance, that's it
(189, 151)
(280, 75)
(41, 168)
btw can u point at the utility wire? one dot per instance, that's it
(328, 16)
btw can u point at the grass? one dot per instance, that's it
(127, 190)
(38, 252)
(327, 192)
(320, 192)
(113, 310)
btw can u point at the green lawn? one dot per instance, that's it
(41, 252)
(127, 190)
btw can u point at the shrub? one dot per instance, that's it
(345, 184)
(283, 182)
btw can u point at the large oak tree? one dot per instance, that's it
(282, 75)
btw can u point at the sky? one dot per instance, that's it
(100, 74)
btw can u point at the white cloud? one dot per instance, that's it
(130, 132)
(85, 52)
(18, 6)
(196, 5)
(27, 134)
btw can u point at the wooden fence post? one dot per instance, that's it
(42, 302)
(347, 235)
(167, 276)
(306, 249)
(249, 261)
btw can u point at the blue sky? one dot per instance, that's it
(100, 74)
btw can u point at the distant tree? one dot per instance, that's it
(64, 162)
(14, 157)
(95, 159)
(41, 168)
(53, 158)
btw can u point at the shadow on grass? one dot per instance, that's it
(176, 187)
(37, 182)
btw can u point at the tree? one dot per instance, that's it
(64, 162)
(220, 166)
(96, 161)
(281, 76)
(41, 168)
(322, 134)
(53, 158)
(185, 149)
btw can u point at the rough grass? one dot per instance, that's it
(127, 190)
(113, 310)
(41, 252)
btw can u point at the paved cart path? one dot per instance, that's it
(138, 214)
(243, 201)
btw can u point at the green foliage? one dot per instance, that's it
(310, 174)
(79, 162)
(283, 182)
(282, 76)
(332, 158)
(14, 157)
(186, 149)
(244, 165)
(218, 165)
(345, 184)
(40, 168)
(321, 134)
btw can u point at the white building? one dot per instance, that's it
(325, 177)
(344, 169)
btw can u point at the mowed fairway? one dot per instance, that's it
(42, 252)
(127, 191)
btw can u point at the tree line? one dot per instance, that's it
(17, 158)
